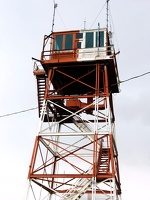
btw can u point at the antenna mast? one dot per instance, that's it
(107, 14)
(55, 6)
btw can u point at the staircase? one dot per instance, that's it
(79, 188)
(77, 191)
(104, 160)
(41, 85)
(82, 126)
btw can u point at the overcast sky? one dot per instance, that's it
(23, 25)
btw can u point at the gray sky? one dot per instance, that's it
(23, 25)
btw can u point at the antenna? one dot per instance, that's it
(84, 23)
(98, 40)
(107, 14)
(55, 6)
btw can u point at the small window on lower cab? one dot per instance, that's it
(78, 45)
(79, 35)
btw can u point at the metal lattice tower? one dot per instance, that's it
(75, 154)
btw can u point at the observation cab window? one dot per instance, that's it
(58, 42)
(78, 37)
(89, 40)
(98, 37)
(69, 41)
(63, 42)
(81, 45)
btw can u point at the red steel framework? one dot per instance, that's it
(75, 154)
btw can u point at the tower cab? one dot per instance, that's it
(77, 45)
(79, 65)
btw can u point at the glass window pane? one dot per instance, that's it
(89, 40)
(58, 42)
(68, 42)
(79, 35)
(100, 39)
(78, 45)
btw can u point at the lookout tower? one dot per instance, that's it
(75, 154)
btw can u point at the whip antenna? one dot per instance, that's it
(107, 14)
(53, 22)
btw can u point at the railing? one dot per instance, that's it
(86, 53)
